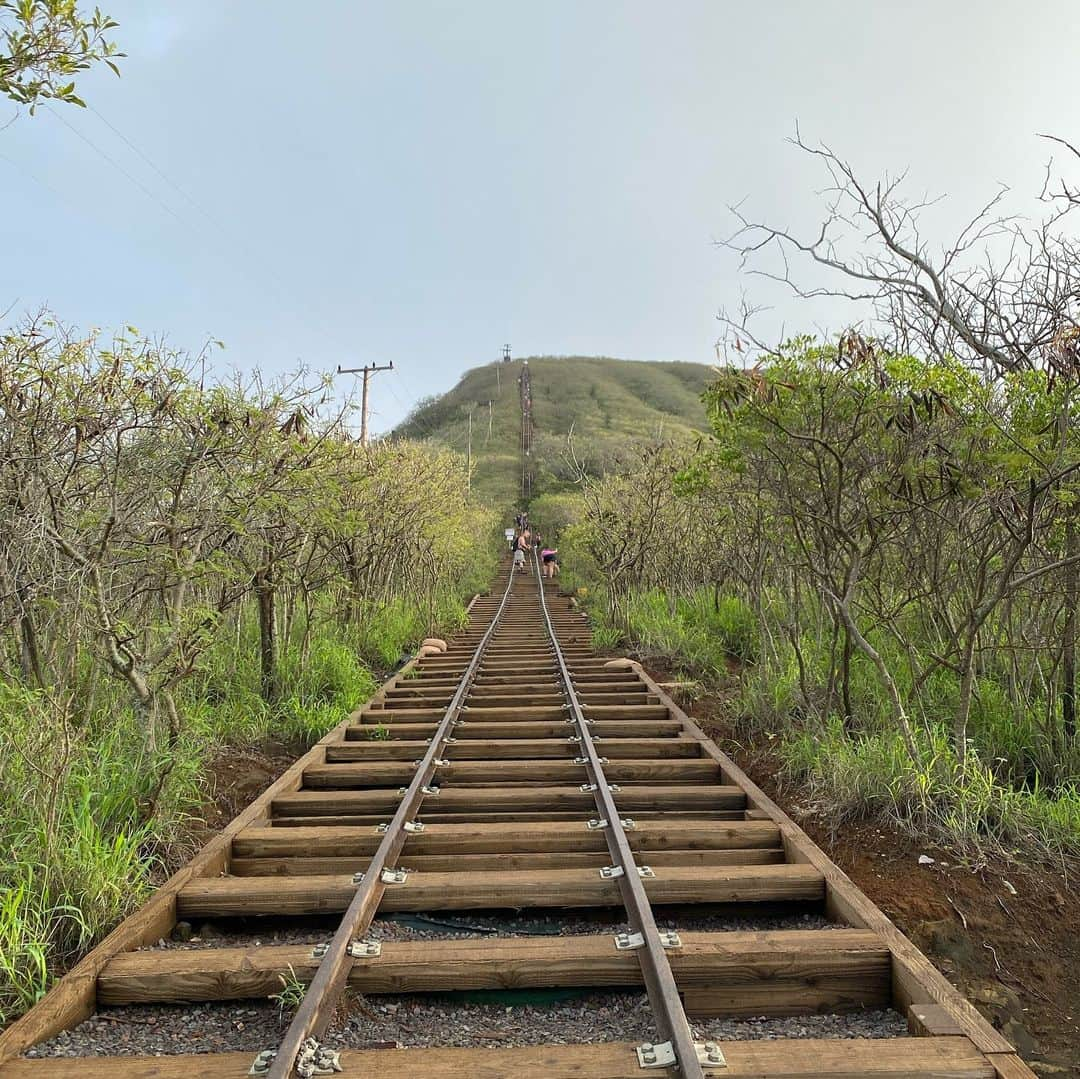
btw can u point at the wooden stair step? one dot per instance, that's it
(480, 799)
(493, 816)
(657, 728)
(809, 1058)
(506, 749)
(524, 836)
(532, 772)
(518, 713)
(248, 896)
(310, 866)
(609, 678)
(755, 973)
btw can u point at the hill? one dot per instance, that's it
(606, 403)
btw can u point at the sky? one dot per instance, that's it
(346, 182)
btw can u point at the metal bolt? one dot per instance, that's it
(262, 1062)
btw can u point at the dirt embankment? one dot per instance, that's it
(234, 778)
(1007, 935)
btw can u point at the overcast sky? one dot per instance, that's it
(347, 182)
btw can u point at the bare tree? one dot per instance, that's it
(1002, 294)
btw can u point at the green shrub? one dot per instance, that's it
(76, 846)
(385, 630)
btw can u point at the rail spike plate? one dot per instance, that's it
(261, 1064)
(364, 949)
(710, 1054)
(315, 1059)
(657, 1056)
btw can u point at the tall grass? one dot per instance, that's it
(82, 847)
(701, 631)
(27, 926)
(961, 803)
(78, 853)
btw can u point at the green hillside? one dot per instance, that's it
(607, 404)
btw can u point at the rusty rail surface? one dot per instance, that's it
(300, 1045)
(677, 1046)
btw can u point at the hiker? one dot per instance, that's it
(523, 544)
(549, 556)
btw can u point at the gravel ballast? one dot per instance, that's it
(170, 1029)
(419, 1022)
(476, 926)
(429, 1021)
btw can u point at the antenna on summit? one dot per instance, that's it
(498, 373)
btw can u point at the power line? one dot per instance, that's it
(230, 251)
(44, 183)
(138, 153)
(119, 168)
(458, 441)
(219, 229)
(427, 429)
(218, 225)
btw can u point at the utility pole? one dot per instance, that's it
(468, 481)
(367, 371)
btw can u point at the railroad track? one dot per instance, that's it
(514, 771)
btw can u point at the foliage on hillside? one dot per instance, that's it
(605, 404)
(891, 547)
(183, 564)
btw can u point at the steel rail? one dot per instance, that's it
(656, 971)
(315, 1012)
